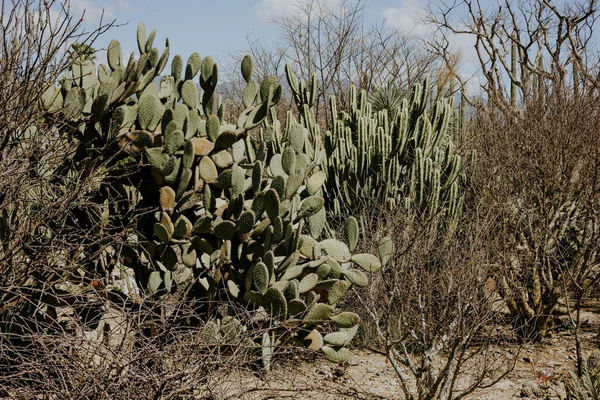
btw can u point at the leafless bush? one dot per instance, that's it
(535, 130)
(103, 349)
(431, 312)
(36, 246)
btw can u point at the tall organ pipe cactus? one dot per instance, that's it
(406, 159)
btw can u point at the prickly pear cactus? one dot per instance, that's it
(236, 219)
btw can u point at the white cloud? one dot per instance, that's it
(408, 17)
(270, 10)
(94, 9)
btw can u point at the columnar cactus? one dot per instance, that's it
(408, 159)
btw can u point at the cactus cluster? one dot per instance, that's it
(238, 219)
(402, 157)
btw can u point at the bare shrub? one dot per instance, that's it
(102, 349)
(431, 313)
(36, 247)
(535, 130)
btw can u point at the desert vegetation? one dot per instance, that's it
(166, 232)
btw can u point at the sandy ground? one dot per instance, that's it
(539, 373)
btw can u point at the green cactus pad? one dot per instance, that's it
(188, 255)
(271, 204)
(296, 137)
(385, 250)
(276, 167)
(203, 224)
(315, 182)
(202, 246)
(159, 161)
(290, 292)
(188, 154)
(141, 37)
(308, 283)
(208, 198)
(52, 101)
(296, 307)
(226, 139)
(238, 180)
(288, 160)
(253, 297)
(192, 66)
(231, 330)
(337, 291)
(292, 272)
(246, 68)
(114, 55)
(175, 170)
(189, 94)
(180, 113)
(193, 124)
(154, 281)
(249, 94)
(351, 231)
(346, 319)
(257, 172)
(224, 179)
(336, 268)
(206, 71)
(174, 141)
(222, 159)
(74, 102)
(167, 277)
(318, 312)
(316, 223)
(183, 228)
(176, 67)
(162, 232)
(141, 139)
(275, 304)
(367, 262)
(278, 184)
(260, 277)
(339, 251)
(323, 270)
(269, 83)
(355, 276)
(208, 170)
(336, 356)
(150, 111)
(169, 258)
(225, 230)
(213, 126)
(294, 182)
(336, 338)
(307, 245)
(246, 222)
(211, 333)
(310, 206)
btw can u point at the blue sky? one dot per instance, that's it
(217, 27)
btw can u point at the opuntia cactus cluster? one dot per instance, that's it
(240, 220)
